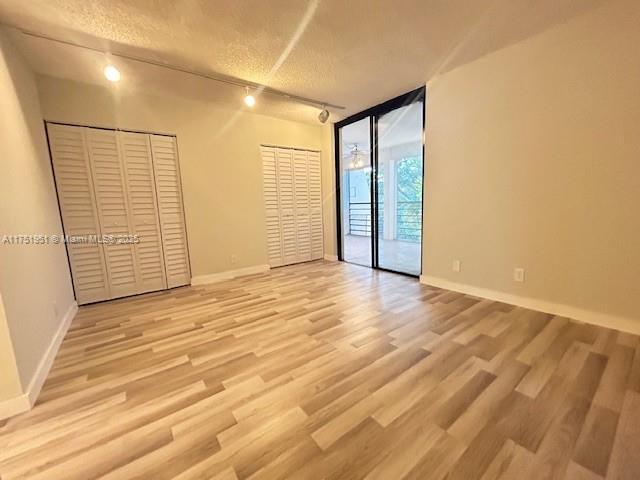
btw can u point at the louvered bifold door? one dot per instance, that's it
(79, 216)
(286, 200)
(302, 205)
(271, 205)
(171, 211)
(135, 150)
(315, 206)
(111, 202)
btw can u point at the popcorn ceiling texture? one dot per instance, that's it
(354, 53)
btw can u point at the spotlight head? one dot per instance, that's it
(323, 116)
(249, 100)
(112, 73)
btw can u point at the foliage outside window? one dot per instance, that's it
(409, 201)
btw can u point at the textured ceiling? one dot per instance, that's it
(355, 53)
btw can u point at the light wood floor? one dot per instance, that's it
(330, 370)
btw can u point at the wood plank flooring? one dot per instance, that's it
(329, 370)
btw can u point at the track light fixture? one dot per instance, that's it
(249, 99)
(323, 116)
(114, 75)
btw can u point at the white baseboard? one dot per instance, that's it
(47, 361)
(587, 316)
(330, 258)
(25, 402)
(14, 406)
(229, 274)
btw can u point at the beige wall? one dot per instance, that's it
(34, 280)
(533, 161)
(9, 379)
(219, 159)
(328, 193)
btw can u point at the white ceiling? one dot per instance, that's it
(398, 127)
(355, 53)
(356, 133)
(401, 126)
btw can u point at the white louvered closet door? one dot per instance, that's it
(315, 205)
(286, 200)
(293, 205)
(135, 153)
(111, 203)
(170, 209)
(302, 205)
(271, 205)
(79, 216)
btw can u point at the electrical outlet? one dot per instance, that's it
(518, 275)
(55, 309)
(455, 265)
(234, 258)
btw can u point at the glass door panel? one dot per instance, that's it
(356, 192)
(398, 192)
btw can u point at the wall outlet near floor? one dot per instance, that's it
(455, 265)
(518, 275)
(234, 258)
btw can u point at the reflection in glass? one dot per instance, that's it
(355, 178)
(399, 189)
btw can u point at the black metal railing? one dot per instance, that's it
(360, 218)
(408, 219)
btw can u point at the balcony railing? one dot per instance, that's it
(360, 218)
(408, 220)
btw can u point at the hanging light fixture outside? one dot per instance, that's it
(249, 100)
(357, 158)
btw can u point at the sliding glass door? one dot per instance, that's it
(356, 177)
(399, 189)
(379, 164)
